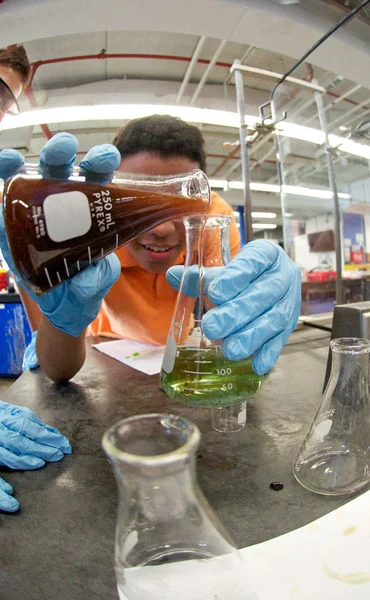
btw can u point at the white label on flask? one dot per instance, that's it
(67, 215)
(169, 356)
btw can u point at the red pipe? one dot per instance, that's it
(103, 55)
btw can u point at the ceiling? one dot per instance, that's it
(80, 61)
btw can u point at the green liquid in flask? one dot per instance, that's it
(204, 377)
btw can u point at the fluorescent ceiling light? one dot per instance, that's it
(316, 136)
(264, 225)
(259, 215)
(112, 112)
(224, 118)
(256, 186)
(295, 190)
(264, 215)
(298, 190)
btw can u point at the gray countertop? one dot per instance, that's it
(61, 543)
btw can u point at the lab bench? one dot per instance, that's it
(61, 543)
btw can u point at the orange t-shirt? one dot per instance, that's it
(140, 304)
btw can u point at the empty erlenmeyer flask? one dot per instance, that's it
(334, 458)
(57, 228)
(194, 369)
(163, 516)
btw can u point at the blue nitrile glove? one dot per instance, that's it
(26, 443)
(7, 502)
(257, 297)
(74, 304)
(30, 357)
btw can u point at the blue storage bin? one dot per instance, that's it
(15, 335)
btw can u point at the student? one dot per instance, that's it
(25, 442)
(128, 294)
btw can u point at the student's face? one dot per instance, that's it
(14, 81)
(157, 249)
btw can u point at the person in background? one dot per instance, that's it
(25, 441)
(131, 293)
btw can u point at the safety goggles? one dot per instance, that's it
(8, 102)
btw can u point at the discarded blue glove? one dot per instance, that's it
(7, 502)
(74, 304)
(30, 357)
(26, 443)
(257, 297)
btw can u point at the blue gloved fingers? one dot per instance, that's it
(100, 162)
(39, 433)
(18, 411)
(97, 279)
(7, 502)
(78, 301)
(191, 281)
(30, 357)
(267, 331)
(265, 358)
(57, 156)
(10, 162)
(174, 276)
(248, 265)
(23, 446)
(258, 298)
(5, 487)
(17, 461)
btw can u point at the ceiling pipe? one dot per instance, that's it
(211, 64)
(190, 68)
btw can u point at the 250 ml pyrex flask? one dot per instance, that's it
(165, 528)
(194, 369)
(57, 228)
(334, 458)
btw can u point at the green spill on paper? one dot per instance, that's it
(135, 354)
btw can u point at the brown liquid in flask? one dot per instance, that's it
(57, 228)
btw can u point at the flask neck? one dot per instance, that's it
(349, 377)
(207, 240)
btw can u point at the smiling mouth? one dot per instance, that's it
(157, 248)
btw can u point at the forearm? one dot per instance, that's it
(60, 355)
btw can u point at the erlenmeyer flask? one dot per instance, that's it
(194, 369)
(57, 228)
(334, 458)
(163, 516)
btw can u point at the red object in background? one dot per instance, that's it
(4, 282)
(357, 257)
(320, 275)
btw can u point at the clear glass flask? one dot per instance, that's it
(194, 369)
(334, 458)
(66, 225)
(163, 517)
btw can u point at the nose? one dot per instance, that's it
(164, 229)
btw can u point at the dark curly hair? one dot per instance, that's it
(163, 134)
(15, 57)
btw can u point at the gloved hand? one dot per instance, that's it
(74, 304)
(26, 443)
(257, 297)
